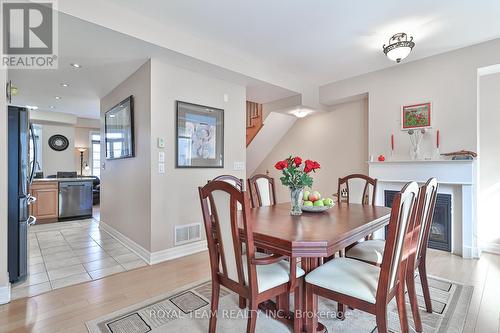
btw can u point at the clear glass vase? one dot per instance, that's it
(296, 200)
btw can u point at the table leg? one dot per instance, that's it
(311, 302)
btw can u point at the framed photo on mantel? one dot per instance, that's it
(200, 136)
(416, 116)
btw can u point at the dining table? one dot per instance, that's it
(311, 237)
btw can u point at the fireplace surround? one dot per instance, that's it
(456, 178)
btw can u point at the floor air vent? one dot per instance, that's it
(187, 233)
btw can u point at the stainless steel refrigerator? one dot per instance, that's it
(20, 177)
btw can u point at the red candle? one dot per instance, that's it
(392, 141)
(437, 139)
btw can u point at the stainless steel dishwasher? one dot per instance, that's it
(75, 199)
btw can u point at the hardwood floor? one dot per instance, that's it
(67, 309)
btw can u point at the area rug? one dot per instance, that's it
(188, 309)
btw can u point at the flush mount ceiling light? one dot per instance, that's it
(300, 113)
(399, 47)
(57, 97)
(65, 85)
(52, 107)
(75, 65)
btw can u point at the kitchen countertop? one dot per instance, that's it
(78, 179)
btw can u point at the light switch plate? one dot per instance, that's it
(161, 142)
(161, 168)
(161, 157)
(238, 166)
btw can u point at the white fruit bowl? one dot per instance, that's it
(315, 209)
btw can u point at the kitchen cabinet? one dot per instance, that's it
(46, 206)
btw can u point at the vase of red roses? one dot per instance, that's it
(296, 175)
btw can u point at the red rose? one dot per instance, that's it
(309, 166)
(281, 165)
(297, 160)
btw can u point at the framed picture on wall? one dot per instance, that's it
(119, 130)
(416, 116)
(200, 136)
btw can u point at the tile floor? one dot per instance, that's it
(67, 253)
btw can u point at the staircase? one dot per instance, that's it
(255, 120)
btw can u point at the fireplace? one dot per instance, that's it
(440, 234)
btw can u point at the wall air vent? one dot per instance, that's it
(187, 233)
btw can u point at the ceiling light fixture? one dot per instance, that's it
(57, 97)
(399, 47)
(65, 85)
(52, 107)
(75, 65)
(301, 113)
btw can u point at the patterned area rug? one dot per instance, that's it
(188, 309)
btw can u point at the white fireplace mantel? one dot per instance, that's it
(453, 173)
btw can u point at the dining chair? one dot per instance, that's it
(364, 286)
(254, 277)
(262, 190)
(368, 184)
(372, 251)
(233, 180)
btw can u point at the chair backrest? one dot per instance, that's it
(424, 217)
(400, 227)
(222, 222)
(349, 184)
(235, 181)
(262, 190)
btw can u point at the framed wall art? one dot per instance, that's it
(416, 116)
(119, 130)
(199, 136)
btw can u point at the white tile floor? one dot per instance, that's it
(66, 253)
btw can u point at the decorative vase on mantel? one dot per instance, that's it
(296, 176)
(296, 200)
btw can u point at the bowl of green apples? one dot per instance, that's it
(314, 203)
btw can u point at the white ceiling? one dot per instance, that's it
(321, 41)
(107, 57)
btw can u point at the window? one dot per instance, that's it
(95, 153)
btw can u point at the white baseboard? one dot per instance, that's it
(159, 256)
(5, 294)
(491, 248)
(178, 251)
(127, 242)
(469, 252)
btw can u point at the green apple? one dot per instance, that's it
(328, 202)
(306, 195)
(308, 203)
(318, 203)
(317, 194)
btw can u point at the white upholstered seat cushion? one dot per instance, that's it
(270, 276)
(370, 251)
(347, 276)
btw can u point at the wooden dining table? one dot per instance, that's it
(312, 236)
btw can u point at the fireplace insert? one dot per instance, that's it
(440, 234)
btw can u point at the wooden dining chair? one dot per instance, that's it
(262, 190)
(254, 277)
(346, 183)
(233, 180)
(372, 251)
(364, 286)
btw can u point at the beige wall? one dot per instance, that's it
(4, 279)
(52, 160)
(126, 183)
(489, 155)
(174, 195)
(448, 80)
(338, 139)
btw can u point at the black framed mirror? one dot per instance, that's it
(119, 130)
